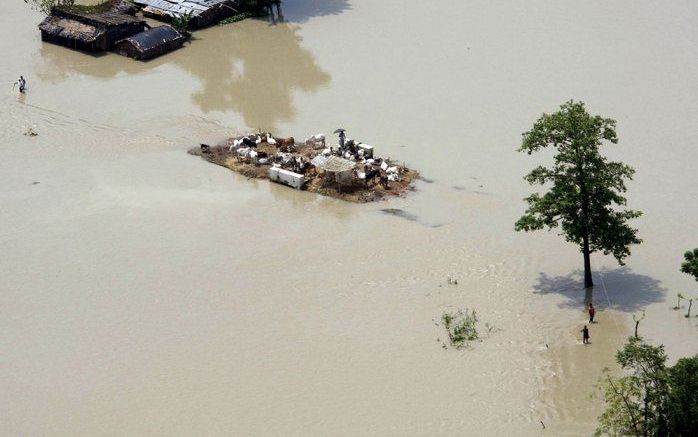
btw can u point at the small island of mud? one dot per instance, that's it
(349, 171)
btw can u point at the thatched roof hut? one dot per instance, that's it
(151, 43)
(89, 31)
(73, 34)
(202, 12)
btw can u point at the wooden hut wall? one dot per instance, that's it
(214, 15)
(162, 49)
(132, 50)
(117, 33)
(97, 45)
(73, 34)
(117, 26)
(151, 43)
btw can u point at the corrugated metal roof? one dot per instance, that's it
(333, 163)
(155, 37)
(180, 7)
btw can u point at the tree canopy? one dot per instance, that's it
(585, 188)
(650, 399)
(690, 265)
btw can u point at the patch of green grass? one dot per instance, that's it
(461, 327)
(243, 16)
(88, 9)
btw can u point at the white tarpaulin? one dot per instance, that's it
(332, 163)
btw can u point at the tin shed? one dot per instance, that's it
(151, 43)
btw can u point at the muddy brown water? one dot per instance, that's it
(146, 292)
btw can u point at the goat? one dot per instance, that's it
(371, 175)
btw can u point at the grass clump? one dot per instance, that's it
(249, 9)
(238, 17)
(105, 6)
(461, 327)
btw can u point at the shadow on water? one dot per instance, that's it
(299, 11)
(627, 291)
(250, 67)
(254, 71)
(401, 213)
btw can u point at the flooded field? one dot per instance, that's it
(146, 292)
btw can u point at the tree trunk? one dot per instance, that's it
(588, 297)
(637, 323)
(587, 264)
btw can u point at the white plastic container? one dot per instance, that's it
(286, 177)
(368, 150)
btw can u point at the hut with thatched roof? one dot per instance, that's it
(89, 31)
(151, 43)
(73, 34)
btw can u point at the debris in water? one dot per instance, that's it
(400, 213)
(30, 132)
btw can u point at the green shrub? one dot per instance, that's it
(182, 24)
(461, 327)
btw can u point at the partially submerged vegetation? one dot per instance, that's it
(650, 399)
(586, 189)
(251, 9)
(182, 24)
(690, 264)
(461, 327)
(45, 6)
(239, 17)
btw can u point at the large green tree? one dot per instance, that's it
(585, 189)
(650, 399)
(690, 265)
(683, 397)
(636, 404)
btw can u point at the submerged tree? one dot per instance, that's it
(690, 265)
(637, 319)
(585, 187)
(650, 399)
(683, 398)
(636, 404)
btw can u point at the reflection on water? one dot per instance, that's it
(302, 10)
(251, 67)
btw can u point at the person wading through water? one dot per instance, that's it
(585, 335)
(22, 83)
(592, 311)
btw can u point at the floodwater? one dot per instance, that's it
(146, 292)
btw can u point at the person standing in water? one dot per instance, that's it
(585, 335)
(592, 311)
(22, 83)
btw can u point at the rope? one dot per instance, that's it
(608, 299)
